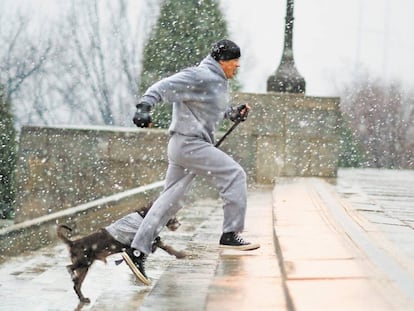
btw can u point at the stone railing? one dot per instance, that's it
(84, 218)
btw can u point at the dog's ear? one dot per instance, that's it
(173, 224)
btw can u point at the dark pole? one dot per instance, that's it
(287, 79)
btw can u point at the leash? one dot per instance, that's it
(226, 134)
(237, 122)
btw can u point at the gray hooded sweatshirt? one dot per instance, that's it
(199, 96)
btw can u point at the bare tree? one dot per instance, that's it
(22, 56)
(382, 119)
(84, 70)
(98, 74)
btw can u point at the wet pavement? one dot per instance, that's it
(331, 255)
(386, 199)
(324, 247)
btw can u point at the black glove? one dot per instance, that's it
(239, 113)
(142, 117)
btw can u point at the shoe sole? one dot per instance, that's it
(248, 247)
(135, 270)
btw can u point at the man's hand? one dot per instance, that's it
(142, 117)
(239, 113)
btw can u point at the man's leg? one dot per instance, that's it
(202, 158)
(229, 178)
(166, 206)
(163, 208)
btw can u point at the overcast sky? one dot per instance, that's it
(332, 39)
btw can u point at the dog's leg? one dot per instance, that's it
(70, 271)
(170, 250)
(80, 276)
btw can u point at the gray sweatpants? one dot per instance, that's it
(124, 229)
(190, 156)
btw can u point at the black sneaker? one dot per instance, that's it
(233, 240)
(136, 262)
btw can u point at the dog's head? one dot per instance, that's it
(172, 224)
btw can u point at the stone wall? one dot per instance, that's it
(61, 167)
(291, 134)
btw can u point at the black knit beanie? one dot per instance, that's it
(225, 50)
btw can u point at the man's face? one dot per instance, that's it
(230, 67)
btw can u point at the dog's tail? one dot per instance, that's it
(62, 236)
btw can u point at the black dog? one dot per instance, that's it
(98, 246)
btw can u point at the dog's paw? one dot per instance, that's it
(180, 255)
(85, 300)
